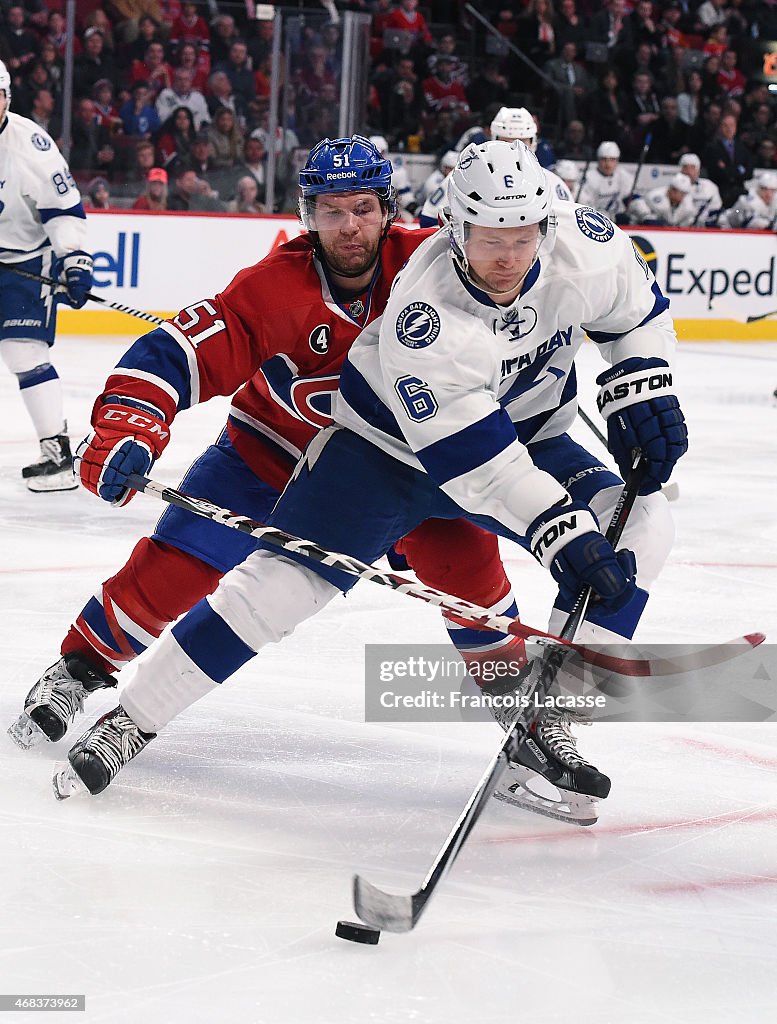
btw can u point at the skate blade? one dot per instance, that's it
(26, 733)
(573, 808)
(67, 783)
(54, 482)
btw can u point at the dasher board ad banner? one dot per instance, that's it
(161, 263)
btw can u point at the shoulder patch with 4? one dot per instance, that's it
(594, 224)
(418, 325)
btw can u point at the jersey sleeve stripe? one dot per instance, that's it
(660, 305)
(154, 356)
(468, 449)
(191, 358)
(149, 378)
(47, 214)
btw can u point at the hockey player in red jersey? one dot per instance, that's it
(278, 333)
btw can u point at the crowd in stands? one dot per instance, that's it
(182, 88)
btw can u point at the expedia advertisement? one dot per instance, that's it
(160, 263)
(714, 280)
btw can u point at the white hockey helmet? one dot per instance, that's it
(497, 185)
(689, 160)
(608, 150)
(380, 143)
(567, 170)
(513, 123)
(448, 160)
(5, 82)
(681, 182)
(767, 179)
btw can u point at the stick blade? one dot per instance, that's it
(388, 911)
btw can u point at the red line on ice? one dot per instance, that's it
(707, 822)
(737, 882)
(729, 752)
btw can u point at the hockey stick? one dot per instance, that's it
(397, 913)
(463, 612)
(640, 162)
(761, 316)
(670, 491)
(59, 286)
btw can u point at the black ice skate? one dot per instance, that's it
(54, 469)
(55, 700)
(549, 754)
(96, 758)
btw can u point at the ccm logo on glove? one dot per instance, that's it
(135, 419)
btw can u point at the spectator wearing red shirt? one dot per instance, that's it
(190, 28)
(153, 69)
(406, 18)
(730, 78)
(442, 91)
(105, 110)
(198, 62)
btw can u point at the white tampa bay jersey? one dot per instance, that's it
(750, 213)
(455, 385)
(606, 193)
(655, 206)
(706, 199)
(39, 202)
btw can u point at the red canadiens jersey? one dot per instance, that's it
(276, 336)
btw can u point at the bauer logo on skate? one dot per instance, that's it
(594, 225)
(418, 325)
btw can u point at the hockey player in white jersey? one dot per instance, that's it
(517, 123)
(406, 199)
(42, 231)
(569, 173)
(607, 187)
(669, 204)
(457, 402)
(435, 198)
(705, 193)
(757, 209)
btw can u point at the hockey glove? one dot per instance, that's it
(74, 271)
(641, 410)
(127, 438)
(566, 540)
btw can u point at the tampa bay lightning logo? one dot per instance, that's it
(522, 320)
(40, 142)
(594, 225)
(418, 325)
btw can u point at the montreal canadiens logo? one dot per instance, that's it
(40, 142)
(319, 339)
(594, 225)
(418, 325)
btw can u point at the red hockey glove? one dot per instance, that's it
(125, 439)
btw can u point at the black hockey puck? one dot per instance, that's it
(357, 932)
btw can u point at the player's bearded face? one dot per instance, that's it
(500, 258)
(349, 229)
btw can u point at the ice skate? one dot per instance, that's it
(55, 700)
(54, 469)
(96, 758)
(547, 773)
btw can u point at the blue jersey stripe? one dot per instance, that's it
(467, 449)
(660, 304)
(355, 390)
(160, 355)
(48, 214)
(210, 643)
(528, 429)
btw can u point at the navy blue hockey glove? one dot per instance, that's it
(74, 271)
(566, 540)
(638, 403)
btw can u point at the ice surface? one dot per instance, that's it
(205, 885)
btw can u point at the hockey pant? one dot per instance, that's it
(187, 555)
